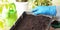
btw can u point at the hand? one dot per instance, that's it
(45, 10)
(51, 28)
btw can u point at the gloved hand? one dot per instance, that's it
(45, 10)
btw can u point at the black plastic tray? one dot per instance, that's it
(19, 21)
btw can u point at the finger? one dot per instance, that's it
(34, 9)
(53, 10)
(37, 12)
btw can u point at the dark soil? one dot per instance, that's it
(30, 22)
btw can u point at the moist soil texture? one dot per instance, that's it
(31, 22)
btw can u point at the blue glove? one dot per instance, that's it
(45, 10)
